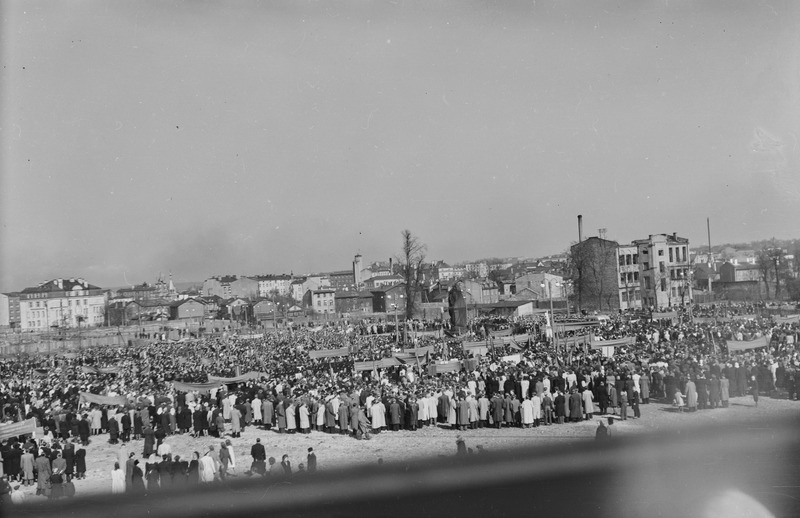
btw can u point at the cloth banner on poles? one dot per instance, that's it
(749, 344)
(39, 373)
(329, 353)
(252, 375)
(514, 358)
(365, 366)
(25, 427)
(199, 387)
(99, 370)
(599, 344)
(419, 351)
(744, 317)
(665, 316)
(87, 397)
(788, 319)
(439, 368)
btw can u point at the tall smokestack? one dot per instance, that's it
(580, 228)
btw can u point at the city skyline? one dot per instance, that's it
(169, 136)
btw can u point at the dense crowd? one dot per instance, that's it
(529, 382)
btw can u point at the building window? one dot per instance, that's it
(670, 254)
(622, 260)
(636, 276)
(646, 265)
(635, 258)
(660, 251)
(684, 254)
(661, 267)
(663, 284)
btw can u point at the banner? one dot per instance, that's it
(745, 345)
(99, 370)
(192, 387)
(575, 326)
(599, 344)
(439, 368)
(665, 316)
(788, 319)
(256, 336)
(419, 351)
(39, 373)
(87, 397)
(365, 366)
(514, 358)
(252, 375)
(744, 317)
(14, 429)
(328, 353)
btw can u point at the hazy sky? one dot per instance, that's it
(202, 138)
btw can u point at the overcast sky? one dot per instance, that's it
(204, 138)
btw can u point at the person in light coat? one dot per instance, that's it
(588, 404)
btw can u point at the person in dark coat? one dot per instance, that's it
(259, 455)
(137, 479)
(68, 453)
(496, 409)
(754, 389)
(193, 472)
(575, 408)
(126, 427)
(394, 415)
(713, 391)
(137, 426)
(84, 430)
(80, 463)
(602, 398)
(344, 417)
(149, 441)
(113, 431)
(560, 404)
(311, 460)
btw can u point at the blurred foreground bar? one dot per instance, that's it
(718, 471)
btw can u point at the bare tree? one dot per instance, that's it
(593, 272)
(410, 263)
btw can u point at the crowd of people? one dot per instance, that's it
(534, 381)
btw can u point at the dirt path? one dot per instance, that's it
(394, 447)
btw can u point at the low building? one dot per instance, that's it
(730, 272)
(480, 292)
(389, 299)
(187, 309)
(544, 285)
(353, 302)
(265, 310)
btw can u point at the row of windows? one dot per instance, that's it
(628, 277)
(628, 259)
(37, 304)
(324, 303)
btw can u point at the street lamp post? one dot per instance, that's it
(396, 330)
(549, 285)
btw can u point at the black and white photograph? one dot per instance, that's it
(399, 258)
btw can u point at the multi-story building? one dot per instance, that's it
(480, 292)
(229, 286)
(301, 285)
(61, 303)
(269, 285)
(353, 302)
(382, 281)
(321, 301)
(344, 280)
(542, 285)
(9, 310)
(446, 272)
(479, 270)
(630, 295)
(664, 268)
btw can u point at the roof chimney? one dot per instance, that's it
(580, 228)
